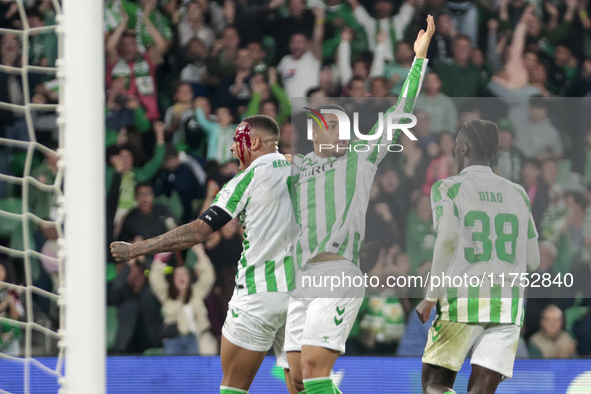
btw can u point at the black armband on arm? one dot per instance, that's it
(215, 217)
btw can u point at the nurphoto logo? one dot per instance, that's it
(344, 126)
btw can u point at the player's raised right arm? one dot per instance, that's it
(180, 238)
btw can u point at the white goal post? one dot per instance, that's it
(83, 116)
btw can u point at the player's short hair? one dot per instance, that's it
(264, 123)
(484, 137)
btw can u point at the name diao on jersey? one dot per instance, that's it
(490, 197)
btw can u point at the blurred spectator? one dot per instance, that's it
(420, 236)
(378, 87)
(131, 174)
(123, 110)
(195, 71)
(288, 141)
(509, 159)
(422, 130)
(397, 195)
(138, 310)
(582, 334)
(460, 78)
(125, 60)
(300, 19)
(536, 135)
(381, 320)
(147, 220)
(264, 98)
(443, 164)
(184, 175)
(223, 55)
(257, 55)
(552, 341)
(12, 123)
(177, 115)
(142, 18)
(193, 26)
(536, 189)
(43, 45)
(360, 67)
(11, 309)
(338, 17)
(301, 69)
(220, 134)
(441, 109)
(382, 229)
(464, 16)
(587, 169)
(440, 50)
(394, 27)
(397, 72)
(186, 324)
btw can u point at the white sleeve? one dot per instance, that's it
(443, 252)
(235, 194)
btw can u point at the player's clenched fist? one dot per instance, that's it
(424, 310)
(121, 251)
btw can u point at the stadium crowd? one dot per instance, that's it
(180, 74)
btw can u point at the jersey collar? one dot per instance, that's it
(475, 168)
(268, 158)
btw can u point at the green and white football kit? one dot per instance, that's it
(259, 196)
(495, 233)
(330, 204)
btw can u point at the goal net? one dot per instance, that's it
(51, 197)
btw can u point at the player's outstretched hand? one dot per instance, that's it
(121, 251)
(424, 310)
(424, 38)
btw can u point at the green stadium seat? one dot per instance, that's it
(572, 314)
(112, 326)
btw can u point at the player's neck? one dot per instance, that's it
(257, 154)
(470, 163)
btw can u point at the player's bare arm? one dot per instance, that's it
(180, 238)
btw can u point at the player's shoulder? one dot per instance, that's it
(443, 186)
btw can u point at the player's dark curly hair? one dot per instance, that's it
(484, 137)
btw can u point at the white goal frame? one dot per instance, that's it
(83, 75)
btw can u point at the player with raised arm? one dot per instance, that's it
(332, 194)
(484, 229)
(259, 197)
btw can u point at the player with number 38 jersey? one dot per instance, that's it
(485, 238)
(496, 222)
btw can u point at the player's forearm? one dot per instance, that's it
(180, 238)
